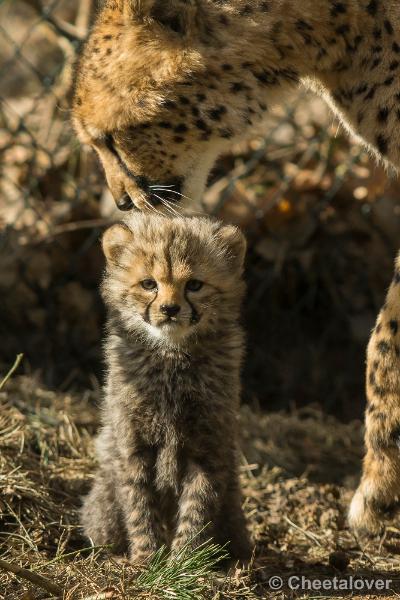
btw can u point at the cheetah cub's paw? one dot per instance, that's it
(140, 558)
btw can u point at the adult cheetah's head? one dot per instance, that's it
(149, 98)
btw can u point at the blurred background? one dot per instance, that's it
(322, 222)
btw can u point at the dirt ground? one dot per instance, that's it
(298, 470)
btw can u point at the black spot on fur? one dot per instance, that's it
(383, 114)
(246, 10)
(388, 26)
(394, 326)
(225, 133)
(395, 435)
(169, 104)
(342, 29)
(200, 124)
(361, 88)
(303, 26)
(266, 78)
(382, 144)
(376, 62)
(181, 128)
(216, 113)
(371, 378)
(372, 7)
(377, 33)
(338, 8)
(371, 93)
(237, 86)
(383, 347)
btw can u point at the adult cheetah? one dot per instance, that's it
(164, 86)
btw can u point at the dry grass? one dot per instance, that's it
(296, 474)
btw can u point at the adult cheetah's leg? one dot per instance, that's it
(379, 488)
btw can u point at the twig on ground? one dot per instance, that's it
(101, 596)
(308, 535)
(34, 578)
(11, 371)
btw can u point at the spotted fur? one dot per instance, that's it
(167, 448)
(164, 86)
(379, 489)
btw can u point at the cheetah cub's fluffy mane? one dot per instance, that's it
(173, 281)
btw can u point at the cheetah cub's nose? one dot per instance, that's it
(171, 310)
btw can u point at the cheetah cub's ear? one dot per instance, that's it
(178, 15)
(235, 243)
(114, 242)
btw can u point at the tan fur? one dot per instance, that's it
(167, 449)
(379, 490)
(173, 83)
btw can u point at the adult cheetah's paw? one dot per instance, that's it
(363, 516)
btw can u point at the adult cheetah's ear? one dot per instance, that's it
(114, 242)
(235, 243)
(178, 15)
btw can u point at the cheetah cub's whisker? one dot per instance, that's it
(167, 448)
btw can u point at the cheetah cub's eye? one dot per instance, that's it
(148, 284)
(194, 285)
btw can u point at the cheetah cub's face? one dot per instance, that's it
(169, 279)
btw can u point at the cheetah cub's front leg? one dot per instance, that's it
(197, 509)
(379, 488)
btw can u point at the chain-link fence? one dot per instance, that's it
(322, 222)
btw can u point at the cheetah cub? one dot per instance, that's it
(167, 449)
